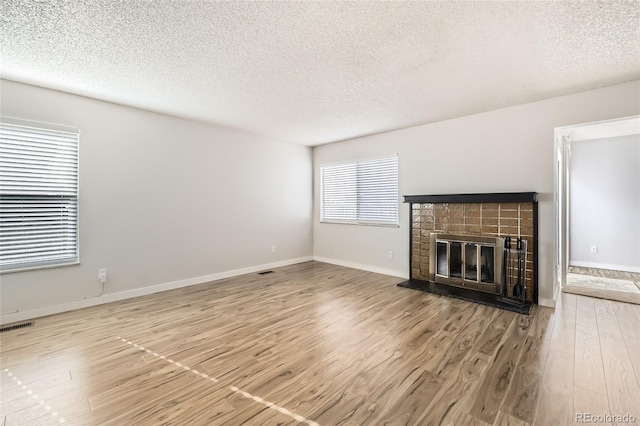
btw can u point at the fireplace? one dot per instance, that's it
(460, 245)
(472, 262)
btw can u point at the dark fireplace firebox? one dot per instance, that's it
(460, 246)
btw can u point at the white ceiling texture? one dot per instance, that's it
(319, 72)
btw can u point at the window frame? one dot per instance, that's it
(358, 220)
(44, 126)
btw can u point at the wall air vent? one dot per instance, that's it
(16, 326)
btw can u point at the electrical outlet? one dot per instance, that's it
(594, 249)
(390, 254)
(273, 249)
(102, 275)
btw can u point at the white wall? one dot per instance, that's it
(163, 201)
(604, 203)
(505, 150)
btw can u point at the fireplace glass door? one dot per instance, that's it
(467, 261)
(487, 264)
(471, 262)
(442, 258)
(455, 259)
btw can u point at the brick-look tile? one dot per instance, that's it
(456, 228)
(472, 229)
(508, 221)
(508, 206)
(472, 209)
(470, 219)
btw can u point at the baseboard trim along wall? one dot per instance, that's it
(143, 291)
(369, 268)
(548, 303)
(605, 266)
(128, 294)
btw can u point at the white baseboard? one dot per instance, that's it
(604, 266)
(143, 291)
(549, 303)
(377, 270)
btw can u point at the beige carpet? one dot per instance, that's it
(603, 287)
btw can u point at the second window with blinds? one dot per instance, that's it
(363, 192)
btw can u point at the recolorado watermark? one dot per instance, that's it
(605, 418)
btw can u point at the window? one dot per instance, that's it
(360, 192)
(38, 195)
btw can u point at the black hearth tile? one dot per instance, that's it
(488, 299)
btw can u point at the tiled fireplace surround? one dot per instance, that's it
(489, 218)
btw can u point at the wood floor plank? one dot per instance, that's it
(567, 302)
(266, 417)
(524, 393)
(443, 339)
(589, 371)
(563, 339)
(410, 407)
(456, 418)
(587, 402)
(136, 389)
(448, 363)
(458, 394)
(565, 319)
(35, 380)
(607, 319)
(489, 341)
(628, 321)
(42, 417)
(505, 419)
(20, 400)
(586, 314)
(195, 407)
(198, 401)
(317, 392)
(543, 321)
(633, 350)
(497, 381)
(620, 419)
(556, 396)
(623, 389)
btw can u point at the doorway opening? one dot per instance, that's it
(597, 195)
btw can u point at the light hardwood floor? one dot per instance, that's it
(320, 344)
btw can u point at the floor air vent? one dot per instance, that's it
(16, 326)
(265, 272)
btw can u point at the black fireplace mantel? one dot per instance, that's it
(496, 197)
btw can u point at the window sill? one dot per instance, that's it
(35, 268)
(380, 225)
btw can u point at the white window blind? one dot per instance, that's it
(38, 196)
(361, 192)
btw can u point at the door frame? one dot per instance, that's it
(561, 191)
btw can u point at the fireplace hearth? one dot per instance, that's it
(457, 246)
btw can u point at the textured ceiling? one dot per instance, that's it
(318, 72)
